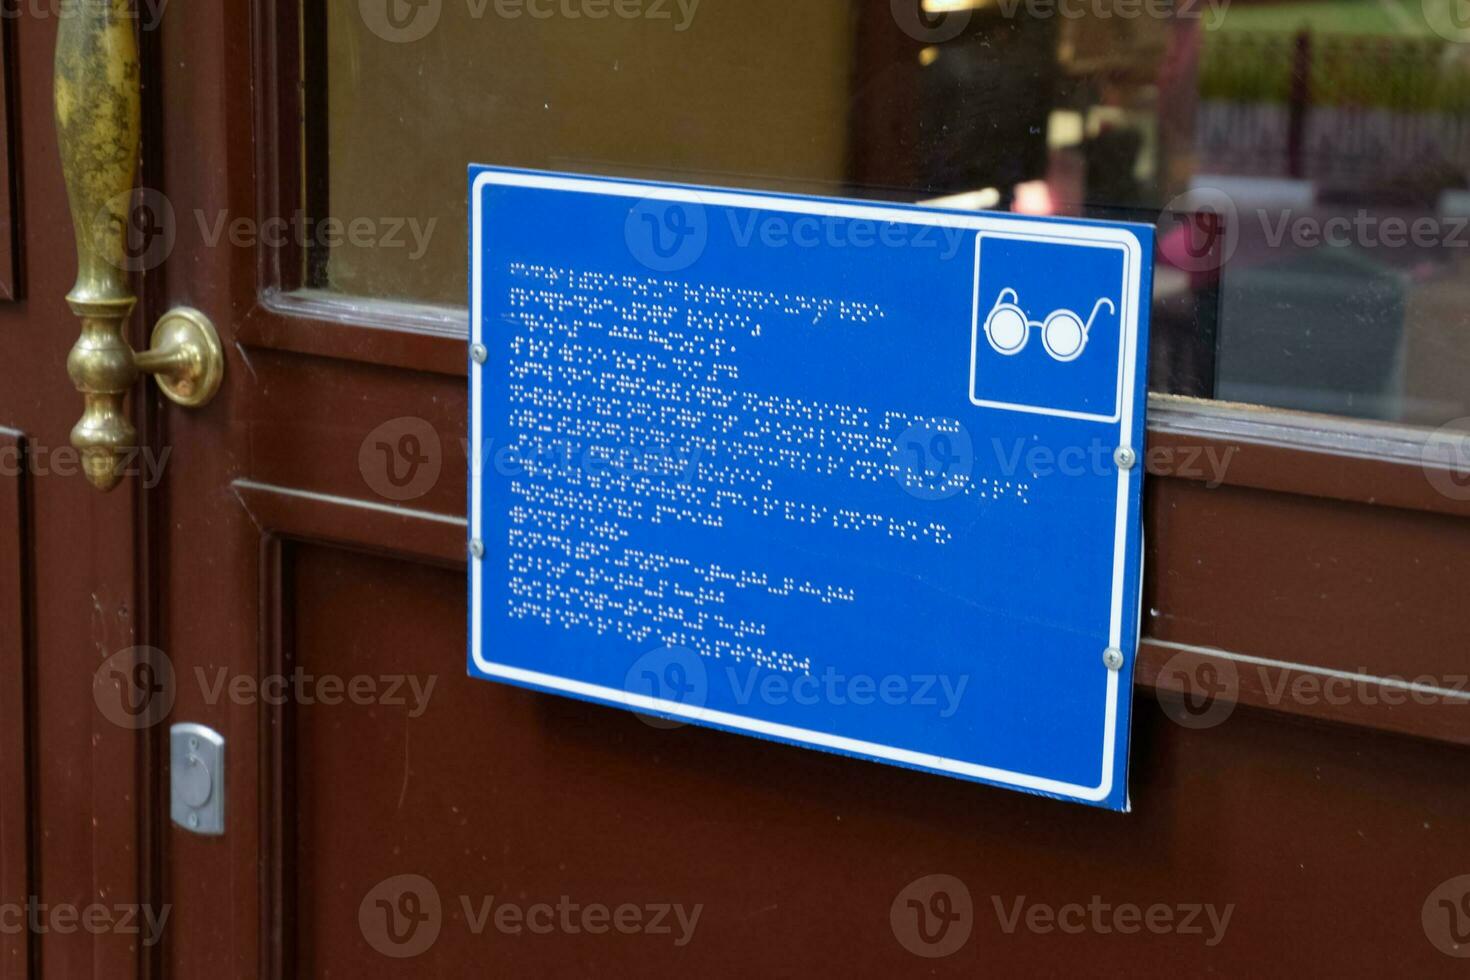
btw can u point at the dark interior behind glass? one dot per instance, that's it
(1305, 163)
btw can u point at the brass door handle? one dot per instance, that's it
(99, 128)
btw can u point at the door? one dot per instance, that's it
(298, 559)
(74, 810)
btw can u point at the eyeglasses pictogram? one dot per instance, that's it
(1063, 333)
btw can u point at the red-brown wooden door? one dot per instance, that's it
(74, 810)
(302, 561)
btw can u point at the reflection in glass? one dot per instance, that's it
(1305, 162)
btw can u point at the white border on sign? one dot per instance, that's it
(987, 224)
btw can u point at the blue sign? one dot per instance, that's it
(857, 477)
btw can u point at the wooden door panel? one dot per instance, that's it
(796, 856)
(1262, 582)
(1330, 585)
(79, 830)
(336, 427)
(256, 530)
(11, 283)
(285, 545)
(499, 792)
(16, 878)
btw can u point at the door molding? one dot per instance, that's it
(17, 867)
(284, 515)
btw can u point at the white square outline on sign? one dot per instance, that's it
(986, 224)
(1123, 350)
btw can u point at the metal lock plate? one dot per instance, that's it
(197, 777)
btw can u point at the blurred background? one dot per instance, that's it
(1305, 162)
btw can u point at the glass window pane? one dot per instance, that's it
(1305, 162)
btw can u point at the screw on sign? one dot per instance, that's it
(933, 916)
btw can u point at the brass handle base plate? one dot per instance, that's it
(185, 357)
